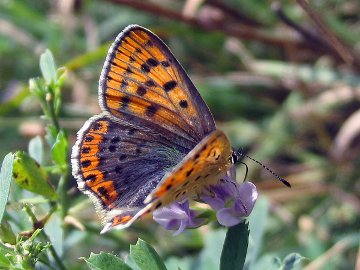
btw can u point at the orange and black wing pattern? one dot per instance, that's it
(152, 117)
(144, 84)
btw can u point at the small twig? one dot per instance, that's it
(38, 224)
(310, 37)
(344, 52)
(234, 13)
(239, 31)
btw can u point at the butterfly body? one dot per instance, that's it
(155, 141)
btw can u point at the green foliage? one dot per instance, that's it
(288, 101)
(106, 261)
(146, 257)
(235, 247)
(5, 180)
(31, 176)
(24, 254)
(59, 150)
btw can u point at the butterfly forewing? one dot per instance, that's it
(143, 83)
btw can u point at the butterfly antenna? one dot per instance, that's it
(246, 170)
(240, 153)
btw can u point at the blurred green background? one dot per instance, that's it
(275, 80)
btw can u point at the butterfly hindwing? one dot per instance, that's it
(143, 83)
(118, 165)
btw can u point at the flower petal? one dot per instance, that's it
(227, 218)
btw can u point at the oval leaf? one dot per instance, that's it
(36, 149)
(47, 66)
(5, 180)
(59, 150)
(146, 257)
(106, 261)
(31, 176)
(235, 247)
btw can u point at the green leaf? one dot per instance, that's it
(5, 180)
(36, 149)
(59, 149)
(6, 233)
(235, 247)
(106, 261)
(291, 261)
(47, 66)
(31, 176)
(146, 257)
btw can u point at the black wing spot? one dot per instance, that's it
(168, 187)
(150, 83)
(89, 138)
(145, 67)
(141, 91)
(122, 157)
(115, 139)
(85, 150)
(125, 100)
(149, 43)
(189, 172)
(185, 184)
(183, 104)
(112, 148)
(151, 110)
(97, 126)
(90, 177)
(118, 169)
(131, 131)
(124, 83)
(204, 148)
(103, 191)
(85, 163)
(165, 64)
(170, 85)
(138, 50)
(128, 70)
(152, 62)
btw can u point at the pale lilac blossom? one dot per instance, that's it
(177, 216)
(232, 201)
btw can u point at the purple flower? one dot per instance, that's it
(231, 201)
(177, 216)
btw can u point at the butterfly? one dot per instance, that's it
(155, 141)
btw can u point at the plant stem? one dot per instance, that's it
(45, 236)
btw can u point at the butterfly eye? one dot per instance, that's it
(234, 157)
